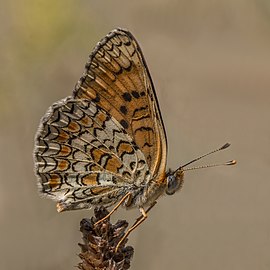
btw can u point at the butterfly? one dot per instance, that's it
(106, 143)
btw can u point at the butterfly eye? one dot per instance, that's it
(172, 185)
(174, 182)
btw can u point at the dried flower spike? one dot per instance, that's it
(100, 241)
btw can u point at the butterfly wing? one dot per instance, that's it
(84, 157)
(108, 139)
(117, 79)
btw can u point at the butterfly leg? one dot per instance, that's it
(114, 209)
(138, 221)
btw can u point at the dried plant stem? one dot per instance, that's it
(100, 241)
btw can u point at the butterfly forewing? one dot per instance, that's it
(117, 79)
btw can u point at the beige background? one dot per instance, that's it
(210, 62)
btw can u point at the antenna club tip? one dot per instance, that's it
(226, 145)
(231, 162)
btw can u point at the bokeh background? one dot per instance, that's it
(210, 62)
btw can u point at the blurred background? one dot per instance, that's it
(210, 62)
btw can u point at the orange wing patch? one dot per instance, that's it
(73, 127)
(90, 179)
(65, 150)
(54, 181)
(63, 165)
(62, 137)
(100, 190)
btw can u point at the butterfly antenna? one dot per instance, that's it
(228, 163)
(226, 145)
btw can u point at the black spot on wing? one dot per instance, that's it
(135, 94)
(123, 109)
(124, 123)
(97, 98)
(127, 96)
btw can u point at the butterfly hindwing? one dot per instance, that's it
(82, 152)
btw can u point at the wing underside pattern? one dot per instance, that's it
(82, 153)
(108, 138)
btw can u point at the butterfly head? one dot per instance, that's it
(175, 181)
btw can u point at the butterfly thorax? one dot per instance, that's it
(149, 193)
(168, 183)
